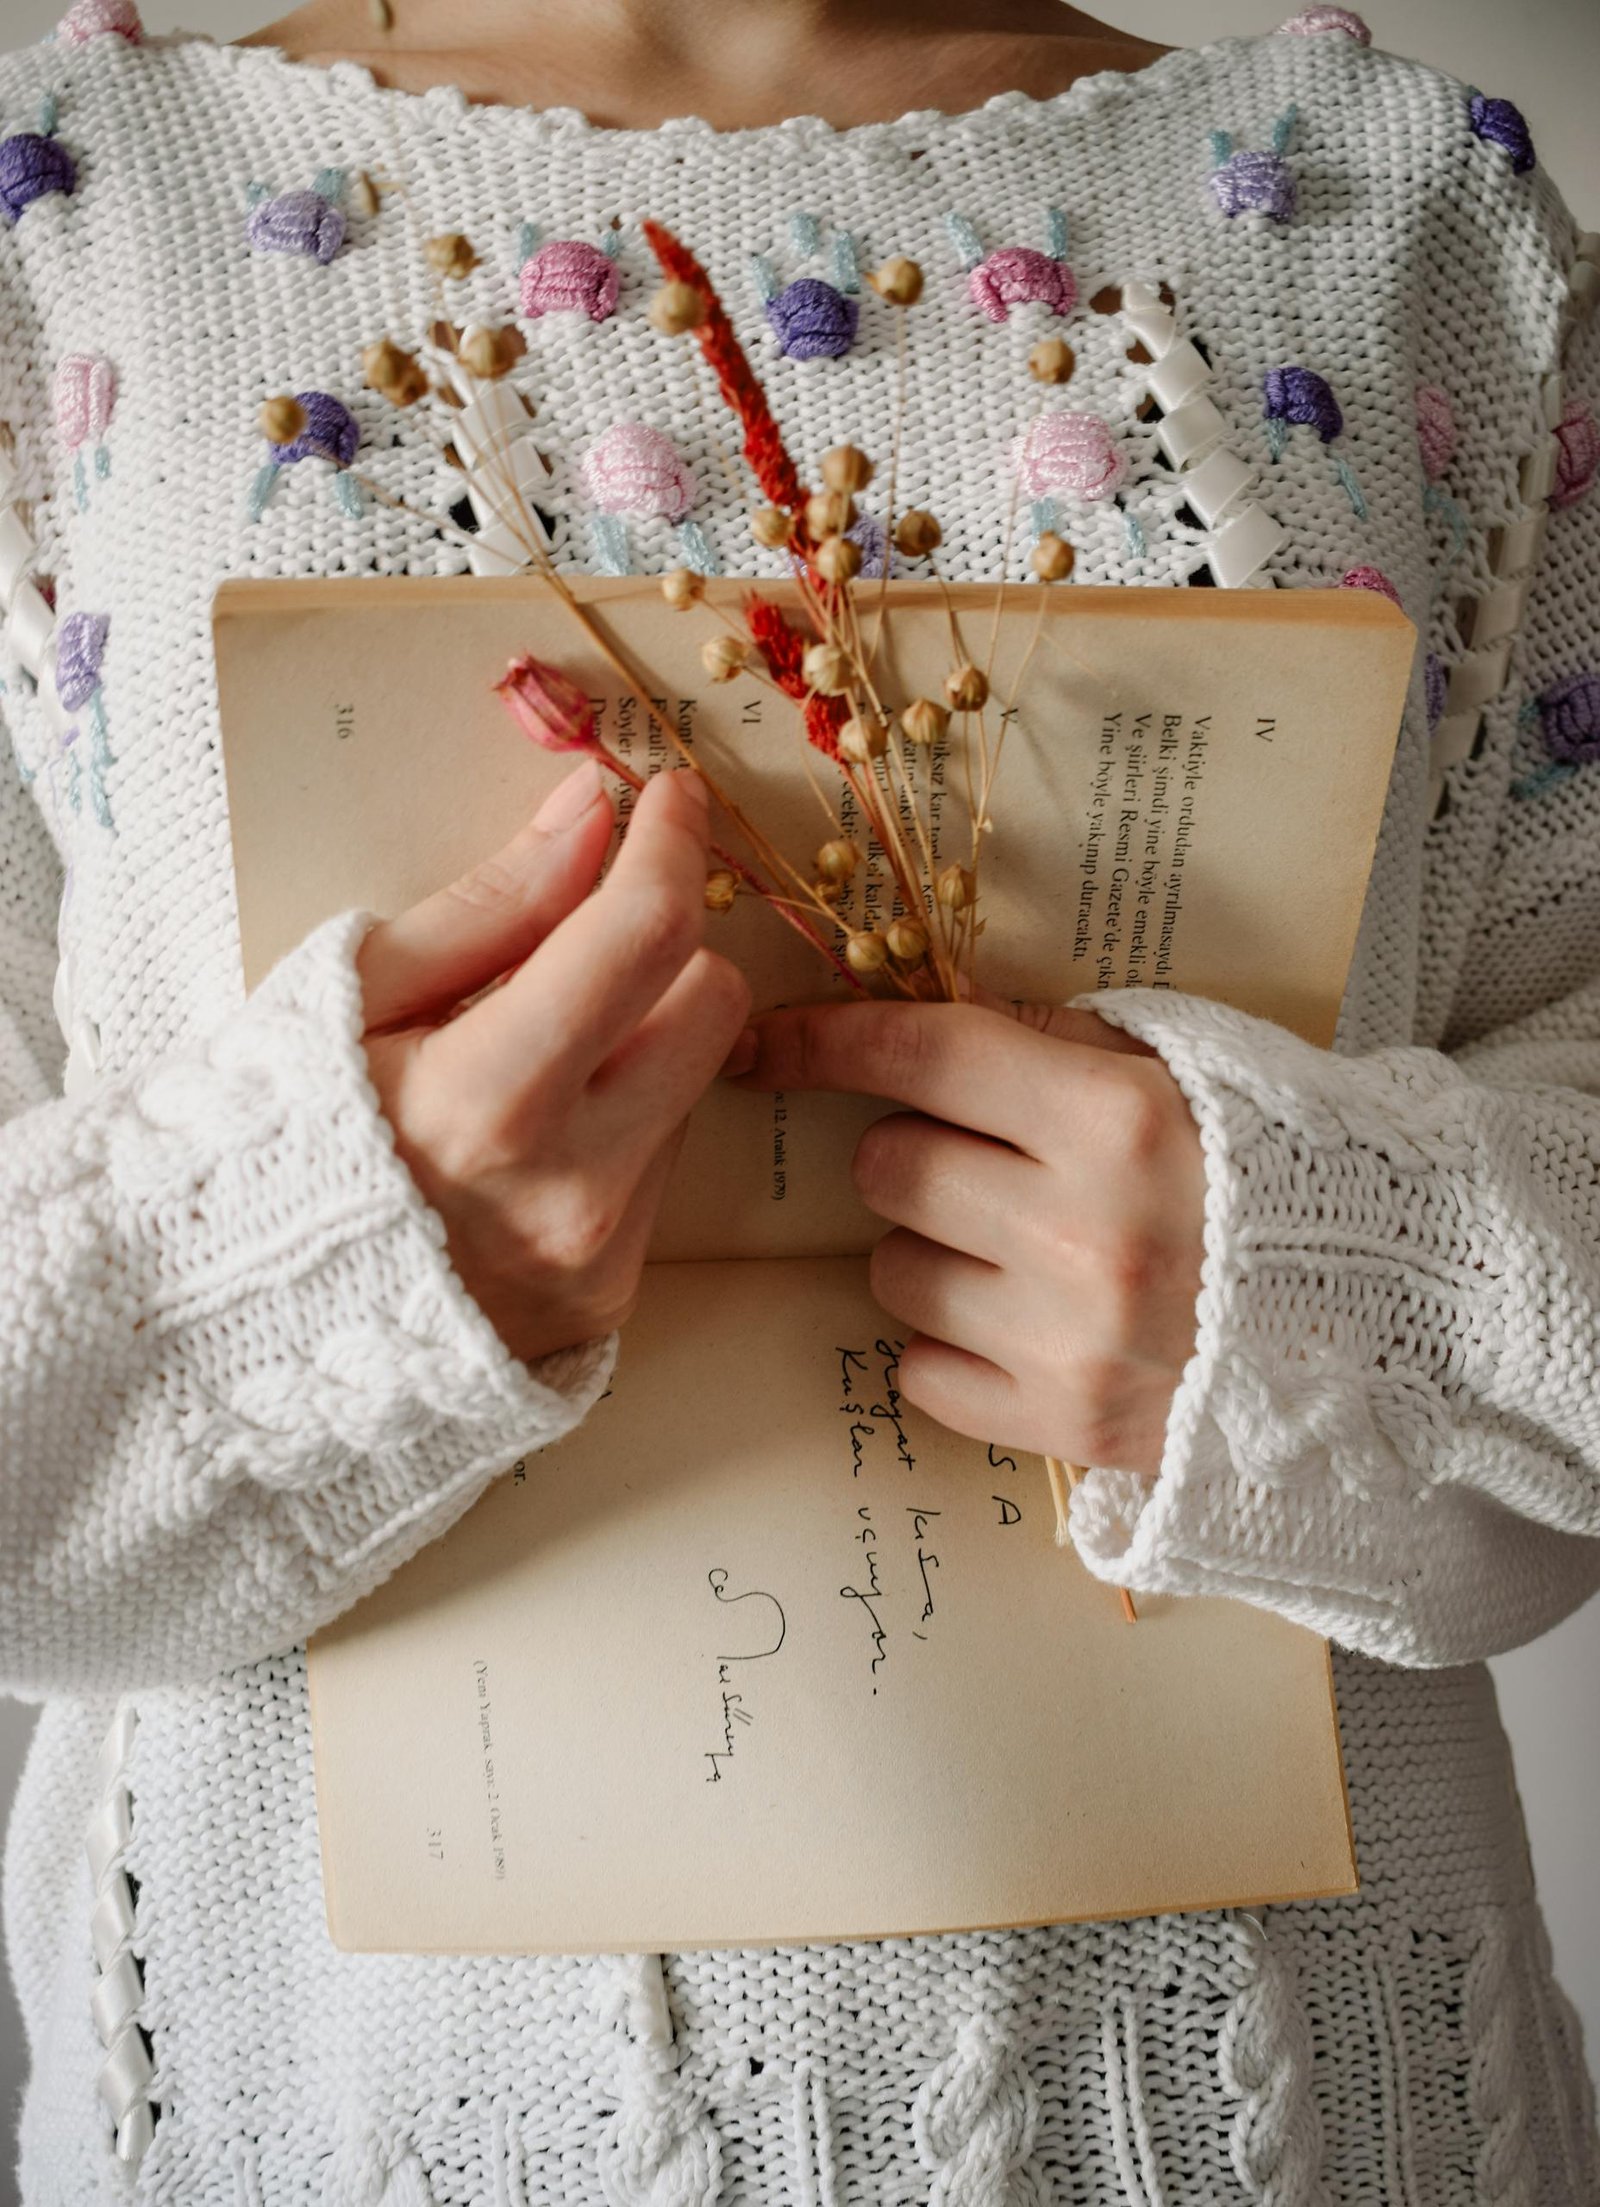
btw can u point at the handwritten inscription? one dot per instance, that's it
(891, 1582)
(766, 1624)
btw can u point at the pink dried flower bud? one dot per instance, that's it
(550, 708)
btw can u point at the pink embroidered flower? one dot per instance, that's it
(634, 469)
(1436, 430)
(1370, 578)
(85, 392)
(1577, 453)
(87, 19)
(1312, 22)
(1075, 453)
(569, 276)
(1016, 274)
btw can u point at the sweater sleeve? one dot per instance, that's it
(1389, 1429)
(240, 1381)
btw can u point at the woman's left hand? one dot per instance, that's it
(1047, 1194)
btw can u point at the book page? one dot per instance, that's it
(794, 1663)
(1178, 805)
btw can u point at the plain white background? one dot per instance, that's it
(1544, 54)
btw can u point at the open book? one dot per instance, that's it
(759, 1654)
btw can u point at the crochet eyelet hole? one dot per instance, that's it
(1107, 300)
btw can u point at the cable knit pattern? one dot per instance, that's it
(241, 1382)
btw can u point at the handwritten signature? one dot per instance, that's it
(733, 1709)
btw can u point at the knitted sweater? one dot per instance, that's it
(239, 1381)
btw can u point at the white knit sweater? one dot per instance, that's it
(239, 1382)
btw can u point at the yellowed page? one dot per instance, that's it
(1188, 798)
(787, 1661)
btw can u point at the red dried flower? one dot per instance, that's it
(550, 708)
(736, 379)
(784, 648)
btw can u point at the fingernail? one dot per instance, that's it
(569, 800)
(742, 1056)
(694, 789)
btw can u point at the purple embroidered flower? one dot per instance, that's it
(1436, 429)
(569, 276)
(872, 539)
(1313, 22)
(1501, 124)
(331, 432)
(1435, 687)
(1577, 453)
(297, 222)
(635, 469)
(1569, 719)
(1370, 578)
(812, 320)
(1017, 274)
(32, 167)
(1301, 395)
(1250, 183)
(80, 647)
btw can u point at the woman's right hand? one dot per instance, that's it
(541, 1119)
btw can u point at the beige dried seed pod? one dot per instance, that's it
(829, 513)
(450, 254)
(364, 194)
(682, 588)
(955, 888)
(676, 309)
(282, 419)
(838, 560)
(490, 354)
(917, 534)
(899, 281)
(837, 861)
(846, 467)
(908, 943)
(721, 889)
(393, 373)
(867, 952)
(826, 668)
(771, 526)
(967, 688)
(724, 656)
(1051, 361)
(1053, 557)
(924, 722)
(862, 740)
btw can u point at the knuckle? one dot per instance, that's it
(1138, 1114)
(573, 1227)
(1133, 1268)
(497, 886)
(876, 1167)
(725, 993)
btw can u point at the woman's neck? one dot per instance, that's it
(630, 64)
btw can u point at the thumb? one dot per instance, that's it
(450, 945)
(1061, 1020)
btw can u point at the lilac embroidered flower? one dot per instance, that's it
(1501, 124)
(331, 432)
(1435, 687)
(1301, 395)
(1577, 453)
(569, 276)
(1314, 22)
(872, 540)
(1569, 719)
(87, 19)
(80, 647)
(812, 320)
(307, 223)
(1016, 275)
(635, 469)
(33, 166)
(1436, 429)
(1073, 453)
(85, 391)
(1251, 182)
(1370, 578)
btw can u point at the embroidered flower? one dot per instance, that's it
(813, 320)
(33, 165)
(1435, 687)
(85, 391)
(1252, 182)
(87, 19)
(1569, 719)
(1370, 578)
(1315, 22)
(1301, 395)
(311, 223)
(1075, 453)
(1016, 275)
(331, 432)
(635, 469)
(1577, 453)
(1501, 124)
(1436, 429)
(80, 647)
(569, 276)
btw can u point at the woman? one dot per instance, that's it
(285, 1283)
